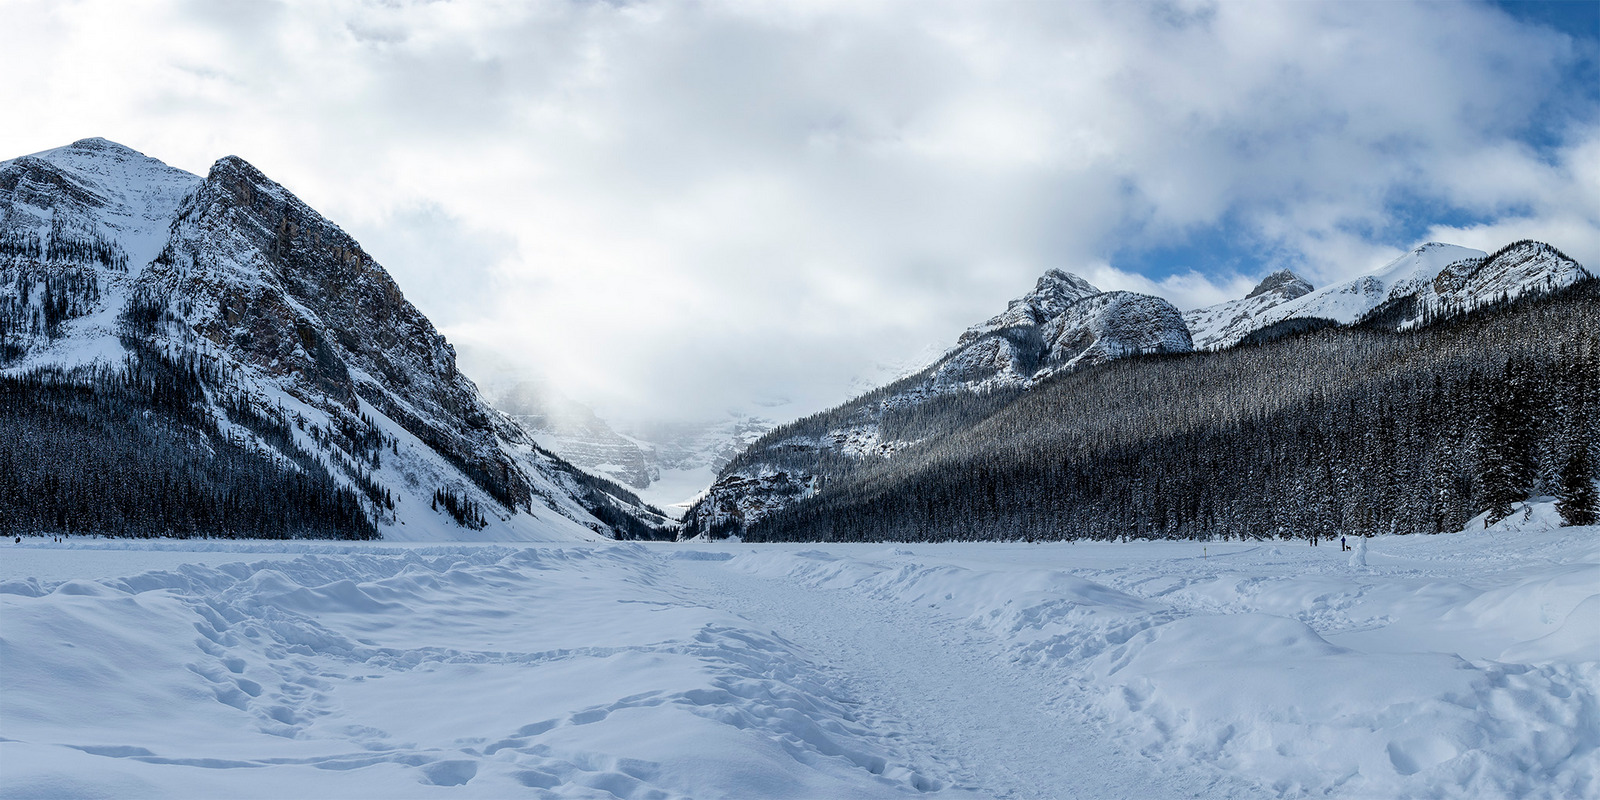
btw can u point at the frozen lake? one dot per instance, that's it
(1465, 665)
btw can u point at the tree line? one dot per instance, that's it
(130, 450)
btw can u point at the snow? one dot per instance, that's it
(221, 256)
(1229, 321)
(1463, 665)
(1345, 303)
(1537, 514)
(675, 490)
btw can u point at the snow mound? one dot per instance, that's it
(1531, 516)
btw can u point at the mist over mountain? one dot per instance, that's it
(667, 463)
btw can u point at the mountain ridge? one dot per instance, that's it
(1431, 279)
(1335, 430)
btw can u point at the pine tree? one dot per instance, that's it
(1503, 460)
(1576, 498)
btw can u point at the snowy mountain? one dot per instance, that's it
(306, 353)
(1434, 279)
(1328, 430)
(1062, 325)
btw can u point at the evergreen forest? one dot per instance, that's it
(132, 451)
(1311, 430)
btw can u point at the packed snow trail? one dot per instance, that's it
(981, 722)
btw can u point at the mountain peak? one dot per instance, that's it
(1056, 278)
(1054, 291)
(307, 344)
(1285, 283)
(101, 156)
(1432, 279)
(97, 143)
(234, 168)
(1426, 246)
(101, 159)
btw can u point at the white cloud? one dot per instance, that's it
(673, 207)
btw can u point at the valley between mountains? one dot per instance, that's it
(267, 537)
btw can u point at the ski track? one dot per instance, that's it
(986, 725)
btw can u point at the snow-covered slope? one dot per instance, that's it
(1347, 302)
(1520, 269)
(77, 225)
(293, 323)
(1434, 279)
(1064, 323)
(1233, 320)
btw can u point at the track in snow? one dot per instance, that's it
(1436, 667)
(976, 721)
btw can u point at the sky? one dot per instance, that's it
(672, 209)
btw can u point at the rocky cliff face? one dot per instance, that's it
(1064, 323)
(299, 323)
(280, 289)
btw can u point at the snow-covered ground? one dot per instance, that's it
(1465, 665)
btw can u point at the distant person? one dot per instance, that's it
(1342, 545)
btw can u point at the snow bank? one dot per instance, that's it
(1532, 516)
